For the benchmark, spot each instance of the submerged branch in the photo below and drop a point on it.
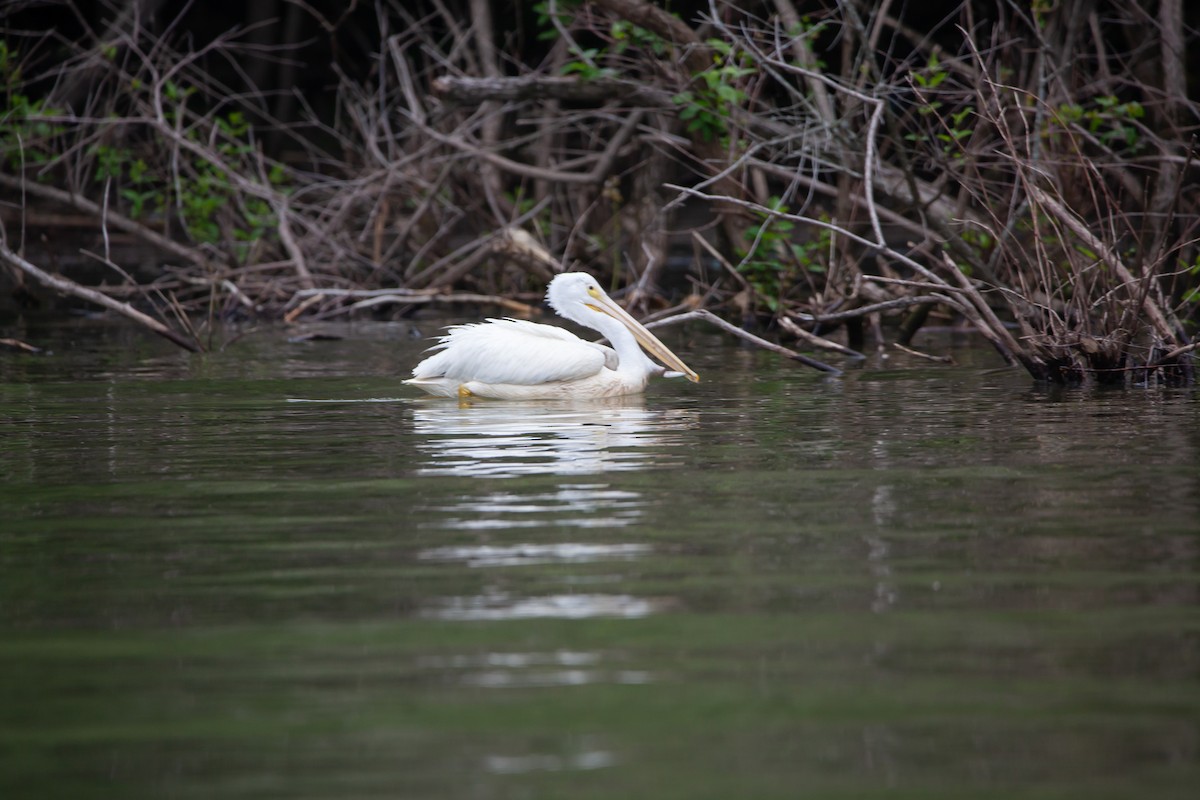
(817, 341)
(70, 287)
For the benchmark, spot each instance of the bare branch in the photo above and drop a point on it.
(713, 319)
(70, 287)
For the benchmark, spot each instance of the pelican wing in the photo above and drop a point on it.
(514, 352)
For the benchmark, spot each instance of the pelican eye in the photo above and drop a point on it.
(594, 291)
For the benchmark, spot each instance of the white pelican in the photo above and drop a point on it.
(511, 359)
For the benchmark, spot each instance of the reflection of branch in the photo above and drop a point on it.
(68, 286)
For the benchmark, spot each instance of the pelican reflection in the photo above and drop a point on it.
(552, 438)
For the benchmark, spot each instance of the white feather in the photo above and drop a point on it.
(514, 351)
(514, 359)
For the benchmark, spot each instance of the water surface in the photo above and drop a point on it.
(273, 571)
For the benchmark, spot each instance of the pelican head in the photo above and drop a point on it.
(578, 297)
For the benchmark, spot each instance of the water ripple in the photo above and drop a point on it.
(576, 505)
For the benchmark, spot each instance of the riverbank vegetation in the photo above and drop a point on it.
(816, 170)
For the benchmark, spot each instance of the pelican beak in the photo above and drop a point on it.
(649, 342)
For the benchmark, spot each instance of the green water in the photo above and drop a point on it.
(275, 572)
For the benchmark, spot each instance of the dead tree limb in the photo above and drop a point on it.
(728, 327)
(817, 341)
(70, 287)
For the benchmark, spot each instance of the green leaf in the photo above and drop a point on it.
(720, 46)
(729, 94)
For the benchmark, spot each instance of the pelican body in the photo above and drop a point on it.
(511, 359)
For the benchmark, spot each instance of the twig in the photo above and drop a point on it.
(289, 244)
(1170, 355)
(817, 341)
(438, 273)
(410, 293)
(713, 319)
(238, 294)
(472, 91)
(104, 220)
(118, 220)
(887, 305)
(68, 286)
(17, 344)
(724, 262)
(687, 305)
(919, 354)
(914, 284)
(375, 297)
(840, 230)
(309, 302)
(985, 311)
(1157, 318)
(515, 306)
(597, 174)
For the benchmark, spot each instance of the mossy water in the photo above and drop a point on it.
(274, 572)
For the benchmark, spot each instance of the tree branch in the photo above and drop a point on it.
(68, 286)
